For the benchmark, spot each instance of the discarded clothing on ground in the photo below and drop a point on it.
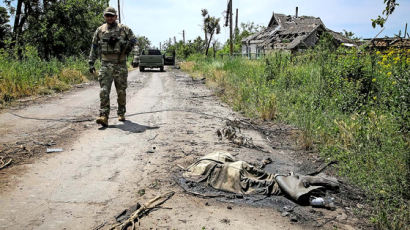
(222, 171)
(232, 132)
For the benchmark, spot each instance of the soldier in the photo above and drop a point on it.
(111, 42)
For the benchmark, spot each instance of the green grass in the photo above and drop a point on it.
(33, 76)
(352, 106)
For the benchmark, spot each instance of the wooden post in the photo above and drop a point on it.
(119, 11)
(230, 27)
(236, 22)
(405, 31)
(214, 48)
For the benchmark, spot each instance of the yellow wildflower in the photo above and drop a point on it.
(394, 82)
(374, 80)
(378, 52)
(389, 74)
(390, 53)
(374, 98)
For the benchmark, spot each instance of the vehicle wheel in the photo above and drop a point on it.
(142, 69)
(161, 69)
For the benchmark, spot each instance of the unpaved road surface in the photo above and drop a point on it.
(171, 121)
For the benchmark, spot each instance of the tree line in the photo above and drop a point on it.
(209, 45)
(61, 28)
(57, 28)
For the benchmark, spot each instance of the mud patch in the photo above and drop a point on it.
(295, 212)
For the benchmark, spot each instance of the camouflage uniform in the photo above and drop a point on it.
(112, 43)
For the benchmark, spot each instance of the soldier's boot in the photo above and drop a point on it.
(121, 117)
(102, 120)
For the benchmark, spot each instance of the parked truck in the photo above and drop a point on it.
(151, 58)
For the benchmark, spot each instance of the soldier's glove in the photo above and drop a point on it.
(92, 69)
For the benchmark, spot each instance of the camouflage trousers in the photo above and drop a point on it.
(118, 73)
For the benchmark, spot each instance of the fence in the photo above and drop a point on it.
(250, 56)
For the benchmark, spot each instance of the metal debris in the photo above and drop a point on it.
(56, 150)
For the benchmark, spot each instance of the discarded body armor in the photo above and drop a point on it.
(221, 171)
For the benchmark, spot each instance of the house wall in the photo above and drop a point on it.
(244, 49)
(247, 49)
(312, 39)
(253, 51)
(253, 48)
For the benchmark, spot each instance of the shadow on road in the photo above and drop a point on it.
(131, 127)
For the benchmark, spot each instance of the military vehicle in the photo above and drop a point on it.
(151, 58)
(169, 58)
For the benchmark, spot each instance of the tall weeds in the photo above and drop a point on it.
(352, 104)
(32, 76)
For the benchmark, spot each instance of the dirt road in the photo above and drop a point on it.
(171, 121)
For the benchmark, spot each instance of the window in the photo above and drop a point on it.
(154, 52)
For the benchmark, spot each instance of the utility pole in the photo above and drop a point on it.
(160, 46)
(183, 36)
(236, 23)
(119, 11)
(230, 27)
(175, 40)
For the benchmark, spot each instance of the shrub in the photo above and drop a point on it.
(352, 103)
(31, 75)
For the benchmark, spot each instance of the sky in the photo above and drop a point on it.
(160, 20)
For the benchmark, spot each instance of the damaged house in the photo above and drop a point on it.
(291, 33)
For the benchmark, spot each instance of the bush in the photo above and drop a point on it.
(352, 103)
(31, 75)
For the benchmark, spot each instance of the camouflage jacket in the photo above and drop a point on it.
(112, 43)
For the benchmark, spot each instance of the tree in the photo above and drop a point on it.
(56, 28)
(390, 7)
(65, 28)
(211, 27)
(246, 29)
(4, 26)
(143, 43)
(204, 13)
(186, 49)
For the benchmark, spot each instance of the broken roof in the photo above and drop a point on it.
(288, 32)
(382, 43)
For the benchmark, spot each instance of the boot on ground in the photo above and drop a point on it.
(102, 120)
